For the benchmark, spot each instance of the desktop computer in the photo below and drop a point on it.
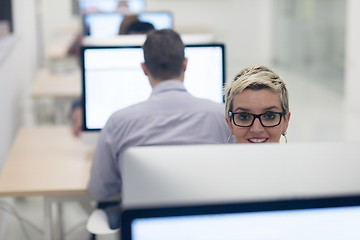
(107, 24)
(112, 79)
(330, 218)
(242, 191)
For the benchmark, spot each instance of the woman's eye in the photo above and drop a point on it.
(269, 116)
(244, 116)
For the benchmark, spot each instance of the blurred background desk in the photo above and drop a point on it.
(58, 90)
(48, 162)
(56, 85)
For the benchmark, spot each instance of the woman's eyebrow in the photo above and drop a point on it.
(271, 108)
(265, 109)
(242, 109)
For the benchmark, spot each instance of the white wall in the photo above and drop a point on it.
(243, 25)
(352, 55)
(57, 17)
(16, 72)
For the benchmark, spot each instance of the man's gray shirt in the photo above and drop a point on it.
(171, 116)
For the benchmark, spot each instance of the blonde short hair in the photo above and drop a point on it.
(256, 78)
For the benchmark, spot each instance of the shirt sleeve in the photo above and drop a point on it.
(105, 180)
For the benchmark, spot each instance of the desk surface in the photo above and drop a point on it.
(46, 161)
(57, 85)
(58, 49)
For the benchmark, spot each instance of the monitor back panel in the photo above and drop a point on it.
(199, 174)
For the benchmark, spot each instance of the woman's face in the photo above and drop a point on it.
(257, 102)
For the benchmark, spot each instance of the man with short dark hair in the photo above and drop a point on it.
(171, 116)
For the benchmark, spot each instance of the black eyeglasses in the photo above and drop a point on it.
(268, 119)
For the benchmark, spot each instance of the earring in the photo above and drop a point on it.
(228, 139)
(284, 134)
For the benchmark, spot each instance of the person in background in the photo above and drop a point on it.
(131, 24)
(126, 22)
(76, 117)
(257, 106)
(171, 116)
(123, 6)
(139, 27)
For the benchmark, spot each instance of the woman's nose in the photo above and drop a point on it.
(257, 126)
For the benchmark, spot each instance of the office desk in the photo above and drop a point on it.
(56, 85)
(62, 40)
(50, 162)
(61, 88)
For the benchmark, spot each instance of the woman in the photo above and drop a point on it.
(257, 106)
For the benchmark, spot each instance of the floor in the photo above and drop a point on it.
(317, 114)
(26, 223)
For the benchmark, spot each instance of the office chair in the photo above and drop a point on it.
(98, 224)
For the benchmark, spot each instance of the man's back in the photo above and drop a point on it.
(170, 117)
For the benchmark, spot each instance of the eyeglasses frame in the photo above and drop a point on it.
(232, 114)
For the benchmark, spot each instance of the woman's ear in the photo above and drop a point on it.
(286, 121)
(228, 122)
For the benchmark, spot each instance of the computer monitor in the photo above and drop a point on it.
(158, 176)
(112, 79)
(102, 25)
(87, 6)
(328, 218)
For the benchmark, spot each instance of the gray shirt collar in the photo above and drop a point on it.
(168, 85)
